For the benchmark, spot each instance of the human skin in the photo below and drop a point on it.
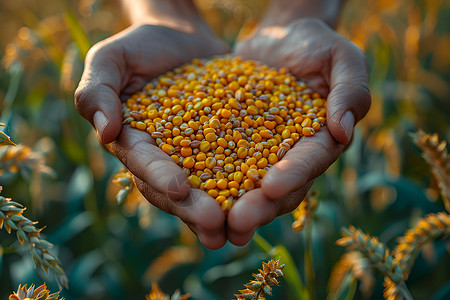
(160, 38)
(165, 34)
(329, 64)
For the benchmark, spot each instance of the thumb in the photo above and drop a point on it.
(97, 95)
(349, 98)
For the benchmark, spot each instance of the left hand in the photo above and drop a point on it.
(330, 65)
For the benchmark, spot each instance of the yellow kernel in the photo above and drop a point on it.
(205, 146)
(234, 192)
(222, 184)
(210, 184)
(210, 162)
(219, 175)
(200, 165)
(306, 122)
(262, 163)
(238, 176)
(244, 168)
(201, 156)
(308, 131)
(186, 151)
(177, 121)
(174, 158)
(194, 181)
(213, 193)
(220, 199)
(225, 113)
(225, 193)
(211, 137)
(141, 125)
(242, 152)
(315, 126)
(222, 142)
(252, 110)
(188, 162)
(256, 138)
(252, 174)
(233, 86)
(168, 149)
(248, 185)
(272, 158)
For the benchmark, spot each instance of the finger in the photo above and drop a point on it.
(138, 152)
(96, 97)
(308, 159)
(198, 210)
(349, 98)
(255, 209)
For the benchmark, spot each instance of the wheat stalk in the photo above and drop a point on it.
(32, 293)
(11, 217)
(304, 213)
(436, 155)
(157, 294)
(264, 280)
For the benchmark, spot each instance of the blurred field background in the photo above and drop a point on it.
(381, 184)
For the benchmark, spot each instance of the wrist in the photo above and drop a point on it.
(176, 14)
(283, 12)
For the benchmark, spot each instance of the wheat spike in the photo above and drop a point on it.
(21, 158)
(304, 213)
(11, 217)
(373, 250)
(359, 267)
(157, 294)
(436, 155)
(32, 293)
(427, 229)
(261, 286)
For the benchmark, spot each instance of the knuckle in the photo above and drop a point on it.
(97, 49)
(82, 94)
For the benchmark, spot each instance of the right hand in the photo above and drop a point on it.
(118, 67)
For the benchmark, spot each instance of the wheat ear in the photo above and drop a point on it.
(264, 280)
(304, 213)
(11, 217)
(436, 155)
(32, 293)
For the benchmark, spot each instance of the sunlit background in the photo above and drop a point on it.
(63, 176)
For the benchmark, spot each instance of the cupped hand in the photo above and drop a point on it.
(334, 67)
(121, 65)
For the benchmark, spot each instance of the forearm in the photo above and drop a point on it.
(282, 12)
(161, 12)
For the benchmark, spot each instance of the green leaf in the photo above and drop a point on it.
(77, 32)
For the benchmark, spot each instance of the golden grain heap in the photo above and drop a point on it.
(226, 121)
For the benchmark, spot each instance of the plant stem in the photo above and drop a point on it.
(309, 264)
(405, 292)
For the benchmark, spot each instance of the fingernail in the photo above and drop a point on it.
(100, 122)
(347, 123)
